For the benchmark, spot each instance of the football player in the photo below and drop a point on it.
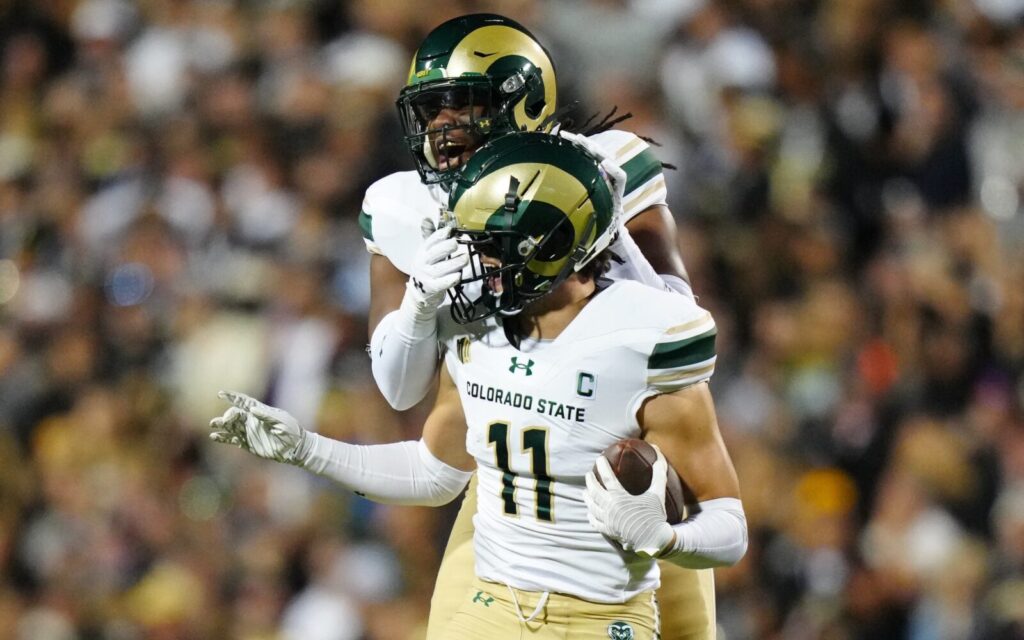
(546, 366)
(472, 78)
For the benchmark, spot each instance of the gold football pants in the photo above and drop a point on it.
(686, 597)
(490, 611)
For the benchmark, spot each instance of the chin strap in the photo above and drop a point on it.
(512, 200)
(511, 329)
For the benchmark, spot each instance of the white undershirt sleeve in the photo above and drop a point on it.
(714, 536)
(398, 473)
(404, 354)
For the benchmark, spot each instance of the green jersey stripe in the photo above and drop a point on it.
(640, 169)
(366, 225)
(682, 353)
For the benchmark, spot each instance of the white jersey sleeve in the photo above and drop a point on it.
(683, 354)
(679, 347)
(645, 180)
(392, 215)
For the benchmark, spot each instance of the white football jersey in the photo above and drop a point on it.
(540, 415)
(395, 206)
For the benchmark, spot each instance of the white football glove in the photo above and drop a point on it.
(638, 523)
(613, 173)
(436, 267)
(263, 430)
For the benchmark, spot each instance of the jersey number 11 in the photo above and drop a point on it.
(535, 440)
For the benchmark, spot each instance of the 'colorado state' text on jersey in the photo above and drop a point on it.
(394, 207)
(539, 416)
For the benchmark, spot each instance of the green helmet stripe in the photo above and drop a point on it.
(573, 164)
(436, 51)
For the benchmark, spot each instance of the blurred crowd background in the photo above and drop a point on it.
(179, 190)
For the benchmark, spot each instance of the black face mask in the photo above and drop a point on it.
(420, 105)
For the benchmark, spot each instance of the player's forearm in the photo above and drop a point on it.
(403, 354)
(399, 473)
(637, 267)
(716, 536)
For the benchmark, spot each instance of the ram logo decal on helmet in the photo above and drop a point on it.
(532, 209)
(485, 67)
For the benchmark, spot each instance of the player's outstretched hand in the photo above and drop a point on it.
(638, 523)
(265, 431)
(437, 265)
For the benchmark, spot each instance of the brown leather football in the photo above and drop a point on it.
(631, 460)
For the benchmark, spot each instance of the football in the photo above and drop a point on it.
(631, 460)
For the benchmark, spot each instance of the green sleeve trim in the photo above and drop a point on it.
(366, 225)
(640, 169)
(683, 353)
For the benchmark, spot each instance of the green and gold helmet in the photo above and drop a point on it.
(473, 77)
(532, 208)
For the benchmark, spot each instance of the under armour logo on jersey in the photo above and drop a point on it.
(516, 365)
(619, 630)
(484, 599)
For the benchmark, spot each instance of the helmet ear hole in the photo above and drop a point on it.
(534, 102)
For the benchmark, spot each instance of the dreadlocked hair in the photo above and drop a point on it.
(590, 127)
(593, 125)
